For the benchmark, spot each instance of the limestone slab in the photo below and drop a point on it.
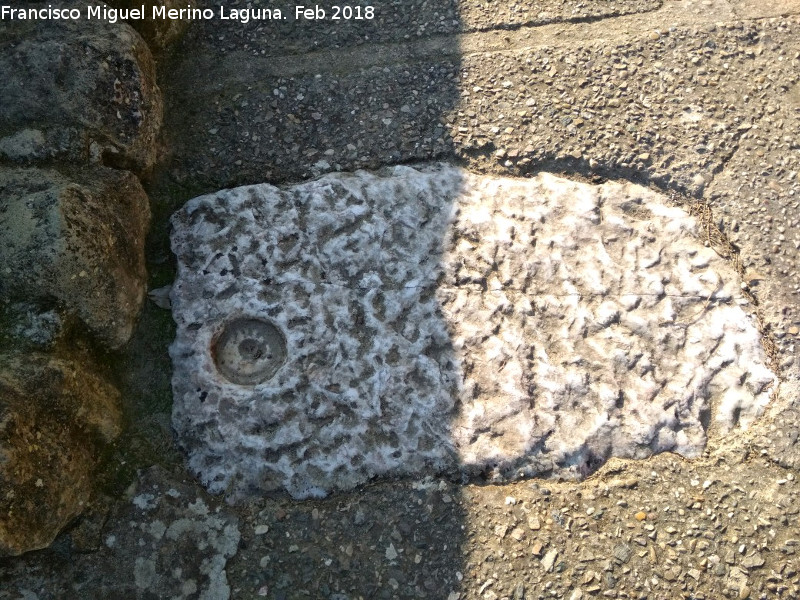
(433, 320)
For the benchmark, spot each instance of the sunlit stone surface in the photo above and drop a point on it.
(424, 321)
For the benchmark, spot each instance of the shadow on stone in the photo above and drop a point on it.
(245, 107)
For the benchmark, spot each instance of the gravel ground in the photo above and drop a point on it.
(697, 99)
(397, 21)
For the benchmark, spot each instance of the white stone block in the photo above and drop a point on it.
(430, 320)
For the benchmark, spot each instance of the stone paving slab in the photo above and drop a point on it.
(531, 327)
(667, 105)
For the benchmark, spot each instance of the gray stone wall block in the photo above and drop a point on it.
(55, 415)
(77, 239)
(81, 91)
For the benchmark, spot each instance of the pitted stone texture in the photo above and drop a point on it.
(78, 240)
(56, 415)
(435, 320)
(82, 91)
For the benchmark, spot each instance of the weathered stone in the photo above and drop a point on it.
(82, 91)
(437, 318)
(30, 326)
(174, 542)
(165, 539)
(55, 415)
(754, 561)
(78, 239)
(158, 33)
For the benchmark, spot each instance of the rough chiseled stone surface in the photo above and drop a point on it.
(436, 320)
(81, 91)
(77, 239)
(55, 417)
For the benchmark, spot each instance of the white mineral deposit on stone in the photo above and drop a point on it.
(439, 321)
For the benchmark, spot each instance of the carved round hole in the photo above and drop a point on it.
(249, 351)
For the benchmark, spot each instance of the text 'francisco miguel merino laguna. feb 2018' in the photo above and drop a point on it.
(243, 15)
